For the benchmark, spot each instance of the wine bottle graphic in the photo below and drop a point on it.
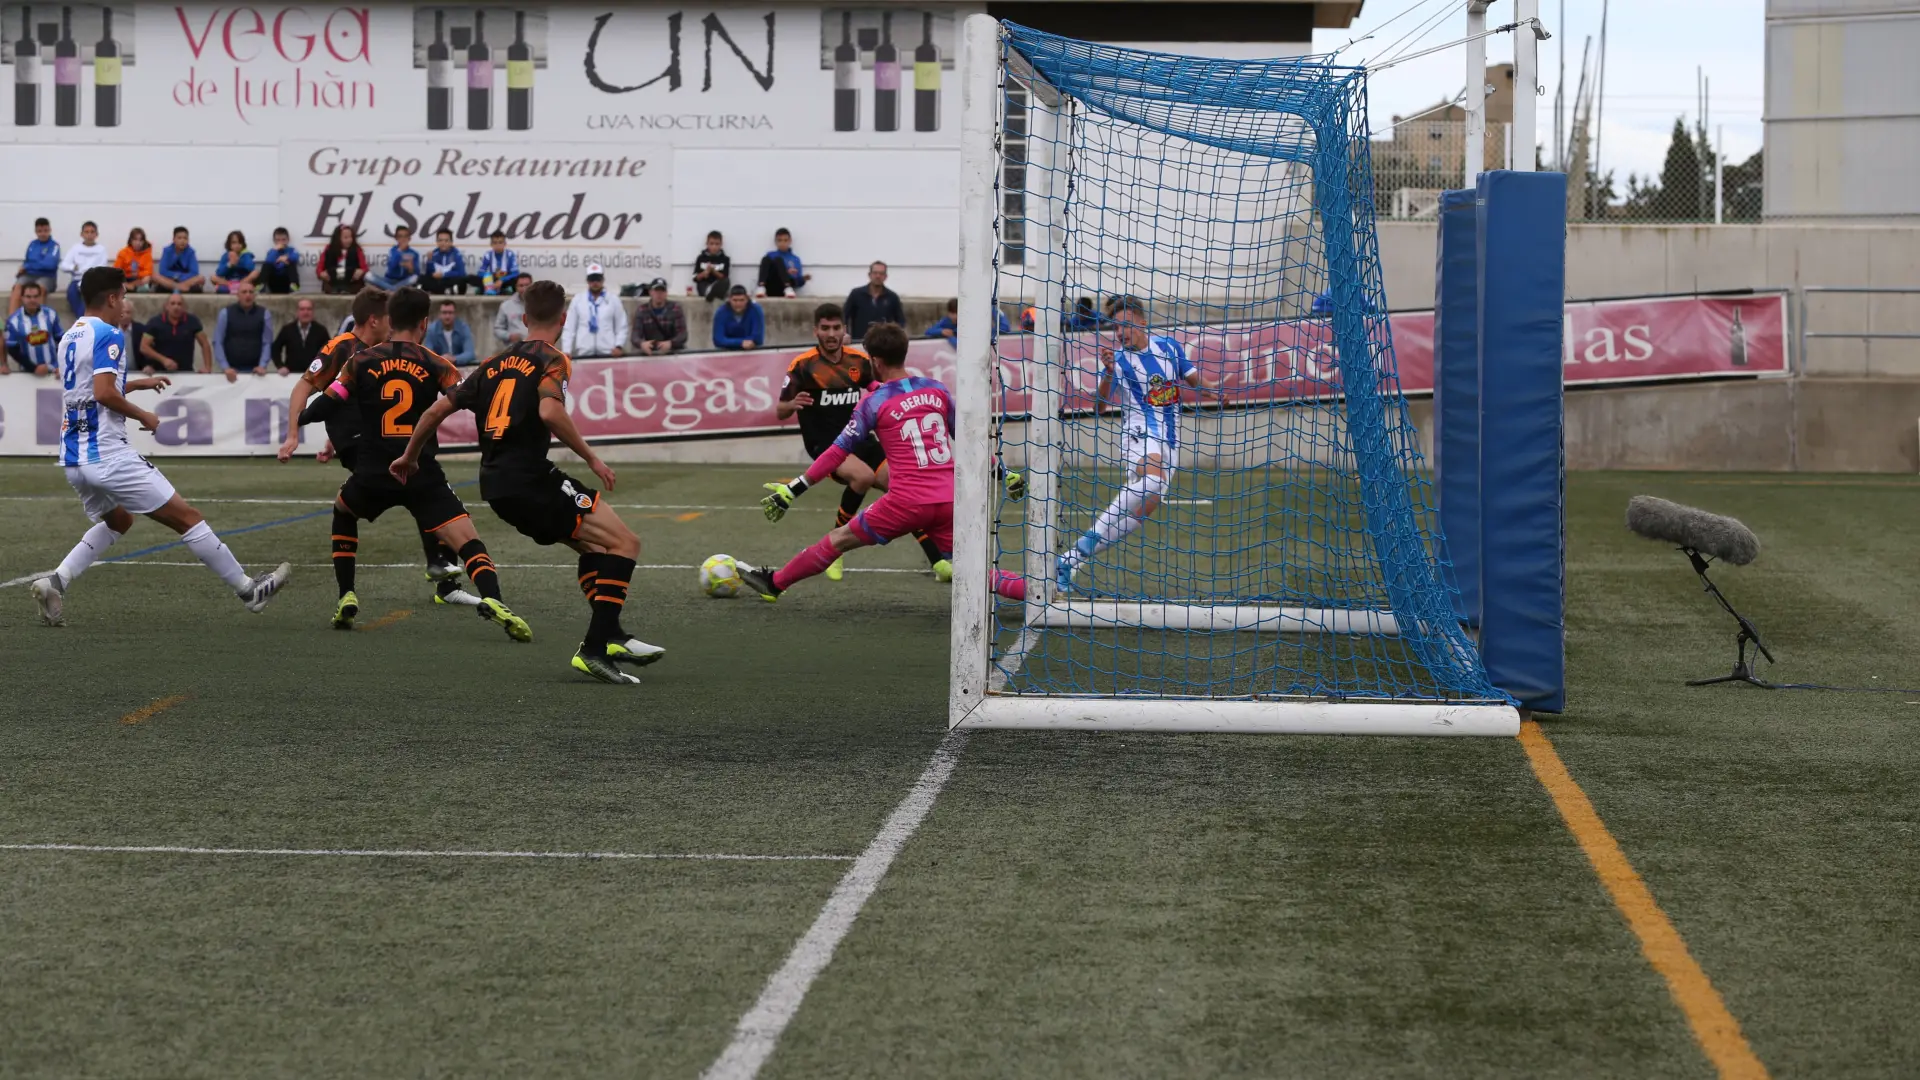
(1739, 340)
(886, 79)
(479, 77)
(439, 76)
(66, 74)
(926, 79)
(26, 73)
(106, 74)
(519, 77)
(846, 68)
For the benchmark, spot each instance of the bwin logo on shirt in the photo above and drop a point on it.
(840, 397)
(1161, 393)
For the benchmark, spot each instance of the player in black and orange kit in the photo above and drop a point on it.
(390, 385)
(822, 388)
(343, 445)
(518, 399)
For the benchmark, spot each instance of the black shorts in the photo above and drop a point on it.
(868, 451)
(427, 496)
(347, 456)
(547, 509)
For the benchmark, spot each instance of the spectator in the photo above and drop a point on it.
(781, 271)
(298, 342)
(136, 261)
(280, 270)
(499, 269)
(874, 304)
(177, 269)
(403, 263)
(712, 269)
(85, 255)
(133, 332)
(510, 318)
(446, 267)
(236, 264)
(740, 324)
(949, 325)
(451, 337)
(171, 336)
(41, 264)
(33, 332)
(659, 325)
(596, 323)
(343, 265)
(1084, 317)
(243, 336)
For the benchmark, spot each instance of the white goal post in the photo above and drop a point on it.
(1205, 652)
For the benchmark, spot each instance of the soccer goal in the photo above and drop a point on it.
(1261, 553)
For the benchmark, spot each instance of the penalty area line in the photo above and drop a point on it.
(371, 853)
(759, 1030)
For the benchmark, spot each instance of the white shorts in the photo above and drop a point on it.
(1138, 446)
(127, 481)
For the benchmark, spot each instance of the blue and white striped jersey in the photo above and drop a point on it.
(89, 433)
(33, 337)
(1148, 384)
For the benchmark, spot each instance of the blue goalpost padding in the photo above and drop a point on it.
(1501, 459)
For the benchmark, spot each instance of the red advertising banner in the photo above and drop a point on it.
(697, 395)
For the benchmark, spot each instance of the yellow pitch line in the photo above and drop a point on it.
(388, 619)
(149, 711)
(1717, 1032)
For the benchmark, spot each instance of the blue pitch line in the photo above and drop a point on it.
(224, 533)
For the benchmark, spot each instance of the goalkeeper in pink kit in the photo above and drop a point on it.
(913, 419)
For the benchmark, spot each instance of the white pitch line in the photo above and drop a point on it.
(406, 854)
(758, 1032)
(322, 501)
(24, 578)
(416, 566)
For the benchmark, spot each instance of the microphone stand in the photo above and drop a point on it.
(1749, 634)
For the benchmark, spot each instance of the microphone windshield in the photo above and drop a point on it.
(1722, 538)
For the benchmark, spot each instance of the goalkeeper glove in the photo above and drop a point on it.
(779, 498)
(1016, 485)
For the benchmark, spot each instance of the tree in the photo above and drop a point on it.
(1678, 197)
(1743, 189)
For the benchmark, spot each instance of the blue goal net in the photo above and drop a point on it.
(1227, 494)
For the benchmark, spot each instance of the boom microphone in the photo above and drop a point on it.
(1718, 537)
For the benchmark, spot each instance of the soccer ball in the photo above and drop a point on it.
(720, 577)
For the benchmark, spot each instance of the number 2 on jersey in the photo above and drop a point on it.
(500, 410)
(928, 434)
(401, 394)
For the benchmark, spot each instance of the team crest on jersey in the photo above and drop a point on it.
(580, 498)
(1161, 393)
(314, 368)
(113, 351)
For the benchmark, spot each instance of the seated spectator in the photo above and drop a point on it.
(132, 330)
(343, 265)
(298, 342)
(177, 268)
(33, 332)
(949, 325)
(874, 303)
(740, 323)
(243, 336)
(171, 337)
(510, 318)
(41, 264)
(451, 337)
(236, 264)
(659, 325)
(1084, 318)
(596, 323)
(136, 261)
(446, 270)
(403, 264)
(781, 271)
(499, 269)
(280, 270)
(712, 269)
(86, 255)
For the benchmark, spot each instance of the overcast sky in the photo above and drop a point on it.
(1655, 46)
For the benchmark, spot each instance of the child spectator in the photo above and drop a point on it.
(659, 325)
(136, 261)
(451, 337)
(280, 270)
(781, 271)
(712, 269)
(740, 323)
(86, 255)
(510, 318)
(343, 265)
(499, 270)
(446, 267)
(177, 269)
(236, 265)
(42, 264)
(33, 332)
(403, 263)
(949, 325)
(1084, 318)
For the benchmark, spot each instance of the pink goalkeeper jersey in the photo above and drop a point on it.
(912, 418)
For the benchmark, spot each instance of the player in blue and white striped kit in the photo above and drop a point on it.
(1145, 372)
(113, 482)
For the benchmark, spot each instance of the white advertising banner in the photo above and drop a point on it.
(199, 414)
(563, 205)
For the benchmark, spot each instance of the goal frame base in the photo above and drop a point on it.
(1246, 717)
